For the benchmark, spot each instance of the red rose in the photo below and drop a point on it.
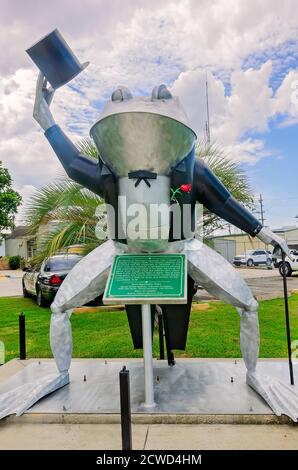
(186, 188)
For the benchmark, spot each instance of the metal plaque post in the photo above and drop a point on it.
(161, 336)
(133, 280)
(288, 330)
(147, 351)
(125, 409)
(22, 335)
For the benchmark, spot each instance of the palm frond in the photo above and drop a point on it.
(86, 147)
(231, 174)
(63, 213)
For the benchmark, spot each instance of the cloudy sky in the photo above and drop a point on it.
(248, 51)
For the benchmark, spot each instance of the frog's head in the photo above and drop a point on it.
(141, 139)
(143, 133)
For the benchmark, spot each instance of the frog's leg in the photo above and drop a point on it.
(218, 277)
(83, 283)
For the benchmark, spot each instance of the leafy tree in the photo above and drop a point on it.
(9, 200)
(69, 211)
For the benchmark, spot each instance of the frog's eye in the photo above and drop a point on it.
(161, 92)
(122, 93)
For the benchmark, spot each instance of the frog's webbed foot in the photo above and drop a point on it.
(83, 283)
(218, 277)
(20, 399)
(282, 398)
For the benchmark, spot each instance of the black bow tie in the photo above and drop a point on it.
(142, 175)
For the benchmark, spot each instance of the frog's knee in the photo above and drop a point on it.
(253, 305)
(59, 309)
(250, 308)
(56, 309)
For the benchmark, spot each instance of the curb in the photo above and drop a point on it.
(139, 418)
(100, 308)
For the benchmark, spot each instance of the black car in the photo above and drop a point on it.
(44, 281)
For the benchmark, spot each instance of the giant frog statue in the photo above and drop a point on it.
(147, 157)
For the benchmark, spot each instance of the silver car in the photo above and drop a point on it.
(254, 258)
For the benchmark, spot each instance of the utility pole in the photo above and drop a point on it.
(261, 209)
(263, 220)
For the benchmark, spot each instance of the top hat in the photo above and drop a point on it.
(55, 59)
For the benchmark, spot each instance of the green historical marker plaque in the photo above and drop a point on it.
(147, 279)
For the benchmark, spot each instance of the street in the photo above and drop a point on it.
(11, 283)
(265, 283)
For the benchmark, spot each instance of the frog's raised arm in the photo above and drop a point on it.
(215, 196)
(79, 168)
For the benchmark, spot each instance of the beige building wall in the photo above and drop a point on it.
(290, 236)
(245, 242)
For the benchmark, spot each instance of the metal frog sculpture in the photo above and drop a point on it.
(147, 156)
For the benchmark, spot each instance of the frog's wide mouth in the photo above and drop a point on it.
(128, 141)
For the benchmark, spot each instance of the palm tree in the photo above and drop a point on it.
(231, 174)
(64, 213)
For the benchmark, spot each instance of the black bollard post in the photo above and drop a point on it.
(161, 339)
(125, 409)
(22, 335)
(287, 318)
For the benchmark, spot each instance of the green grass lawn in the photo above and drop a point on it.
(212, 333)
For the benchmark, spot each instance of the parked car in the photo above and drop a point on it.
(291, 265)
(254, 258)
(44, 281)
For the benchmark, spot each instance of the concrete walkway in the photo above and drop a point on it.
(153, 436)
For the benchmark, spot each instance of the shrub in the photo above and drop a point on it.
(14, 262)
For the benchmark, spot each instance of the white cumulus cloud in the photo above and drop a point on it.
(245, 49)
